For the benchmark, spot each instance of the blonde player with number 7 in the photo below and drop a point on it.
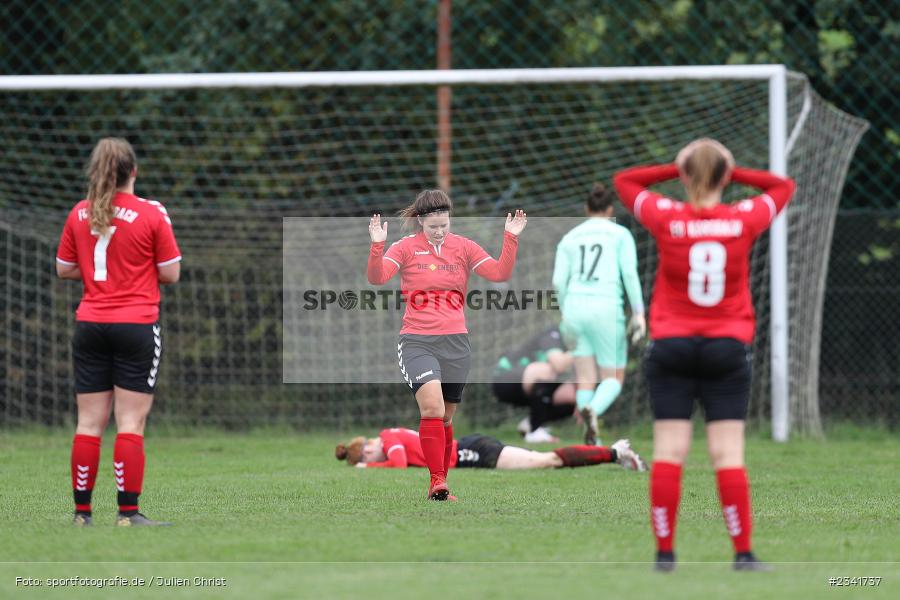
(701, 326)
(121, 247)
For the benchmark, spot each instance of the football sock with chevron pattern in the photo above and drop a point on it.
(431, 436)
(734, 494)
(85, 462)
(665, 494)
(448, 447)
(128, 465)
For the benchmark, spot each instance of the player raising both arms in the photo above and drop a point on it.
(701, 325)
(399, 448)
(594, 262)
(433, 348)
(121, 247)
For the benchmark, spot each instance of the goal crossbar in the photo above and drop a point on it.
(388, 78)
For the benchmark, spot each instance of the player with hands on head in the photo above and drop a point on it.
(596, 265)
(122, 248)
(433, 349)
(701, 326)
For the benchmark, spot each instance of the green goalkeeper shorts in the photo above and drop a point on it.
(595, 326)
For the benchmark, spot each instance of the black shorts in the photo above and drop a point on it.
(124, 355)
(478, 451)
(445, 358)
(714, 370)
(507, 386)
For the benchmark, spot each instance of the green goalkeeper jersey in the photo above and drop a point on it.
(597, 259)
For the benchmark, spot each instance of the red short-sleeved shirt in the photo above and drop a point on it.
(119, 270)
(434, 281)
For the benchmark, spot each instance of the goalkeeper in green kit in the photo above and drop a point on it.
(594, 261)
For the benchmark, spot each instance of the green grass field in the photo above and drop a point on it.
(274, 514)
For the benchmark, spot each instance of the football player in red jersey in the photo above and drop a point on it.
(433, 348)
(701, 326)
(399, 448)
(121, 247)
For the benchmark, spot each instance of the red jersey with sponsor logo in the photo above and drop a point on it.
(434, 278)
(403, 449)
(702, 281)
(119, 269)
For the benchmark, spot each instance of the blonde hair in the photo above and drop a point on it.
(426, 202)
(111, 165)
(351, 451)
(705, 168)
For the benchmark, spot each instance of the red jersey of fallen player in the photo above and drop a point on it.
(403, 449)
(702, 281)
(119, 269)
(434, 279)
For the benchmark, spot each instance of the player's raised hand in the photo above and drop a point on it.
(377, 230)
(515, 224)
(686, 152)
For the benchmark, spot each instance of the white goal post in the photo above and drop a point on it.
(776, 77)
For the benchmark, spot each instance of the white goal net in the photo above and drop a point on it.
(230, 160)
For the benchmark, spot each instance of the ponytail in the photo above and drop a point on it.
(427, 202)
(111, 165)
(351, 451)
(705, 168)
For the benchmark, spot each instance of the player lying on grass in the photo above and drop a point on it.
(399, 448)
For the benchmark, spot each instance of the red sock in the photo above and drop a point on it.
(582, 456)
(734, 494)
(128, 463)
(85, 461)
(665, 494)
(448, 447)
(431, 436)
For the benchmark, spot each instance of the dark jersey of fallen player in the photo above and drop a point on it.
(535, 349)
